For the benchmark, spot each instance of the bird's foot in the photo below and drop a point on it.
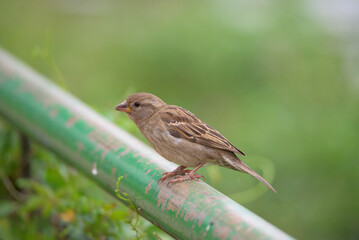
(177, 171)
(189, 176)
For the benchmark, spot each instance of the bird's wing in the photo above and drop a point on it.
(181, 123)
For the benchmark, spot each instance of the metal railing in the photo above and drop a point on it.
(104, 152)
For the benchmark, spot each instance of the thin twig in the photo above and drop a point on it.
(25, 155)
(18, 196)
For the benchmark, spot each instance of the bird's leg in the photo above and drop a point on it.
(190, 175)
(178, 170)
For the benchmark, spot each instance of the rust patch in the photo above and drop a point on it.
(148, 171)
(149, 186)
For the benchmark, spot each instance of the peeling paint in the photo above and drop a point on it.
(176, 196)
(116, 145)
(71, 121)
(149, 186)
(105, 143)
(80, 147)
(123, 153)
(53, 112)
(101, 148)
(191, 212)
(113, 173)
(184, 202)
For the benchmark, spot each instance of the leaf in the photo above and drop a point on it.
(33, 203)
(54, 178)
(24, 183)
(7, 207)
(118, 215)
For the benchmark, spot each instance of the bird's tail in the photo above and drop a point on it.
(241, 166)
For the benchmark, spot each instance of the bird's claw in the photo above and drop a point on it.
(182, 174)
(189, 176)
(176, 172)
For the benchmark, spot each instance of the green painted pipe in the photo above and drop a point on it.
(104, 152)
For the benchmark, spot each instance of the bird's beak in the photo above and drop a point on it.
(123, 107)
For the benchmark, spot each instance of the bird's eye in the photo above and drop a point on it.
(137, 104)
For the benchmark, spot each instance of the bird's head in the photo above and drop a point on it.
(140, 106)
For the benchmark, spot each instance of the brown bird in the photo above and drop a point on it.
(181, 137)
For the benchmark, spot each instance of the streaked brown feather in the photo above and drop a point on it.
(181, 123)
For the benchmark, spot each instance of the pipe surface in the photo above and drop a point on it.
(104, 152)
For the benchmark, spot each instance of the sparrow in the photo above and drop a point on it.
(181, 137)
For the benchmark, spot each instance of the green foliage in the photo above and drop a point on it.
(57, 202)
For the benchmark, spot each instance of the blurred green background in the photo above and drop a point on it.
(270, 75)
